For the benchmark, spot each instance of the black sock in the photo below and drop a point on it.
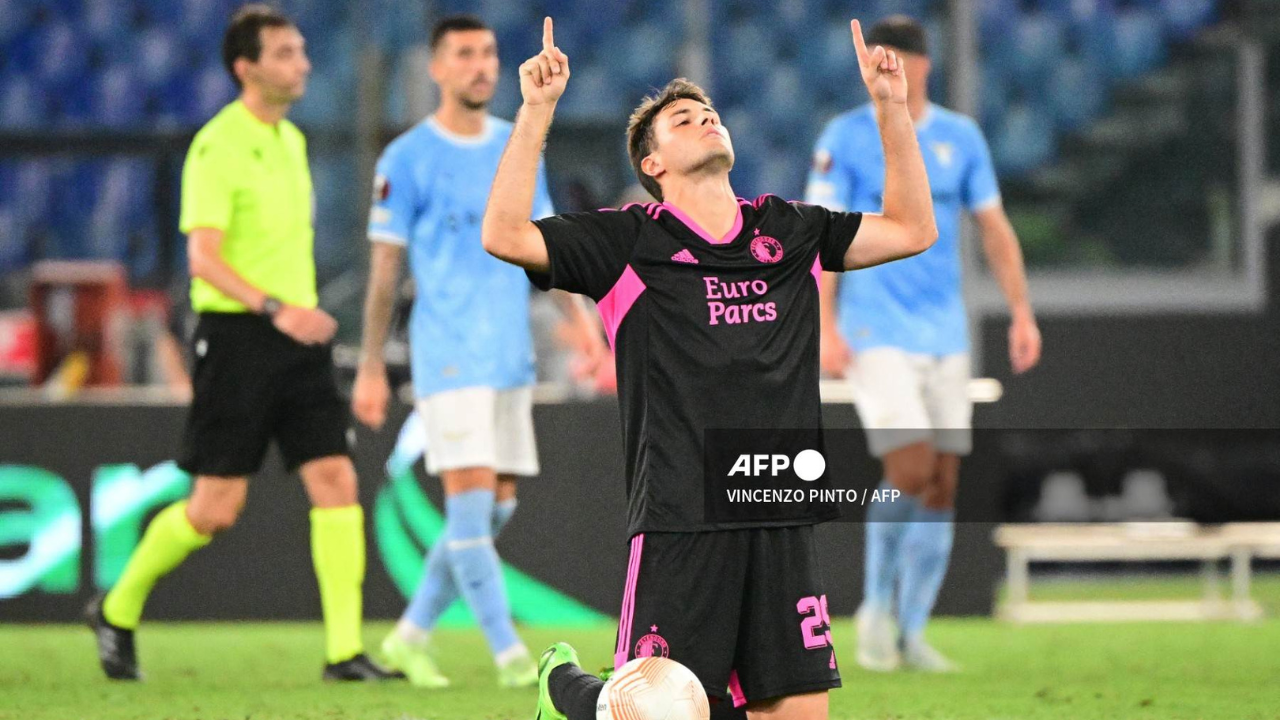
(574, 691)
(724, 710)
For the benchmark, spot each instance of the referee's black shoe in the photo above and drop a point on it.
(116, 652)
(360, 668)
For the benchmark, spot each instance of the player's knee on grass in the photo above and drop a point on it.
(215, 504)
(330, 481)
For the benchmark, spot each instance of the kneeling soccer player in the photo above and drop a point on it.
(711, 304)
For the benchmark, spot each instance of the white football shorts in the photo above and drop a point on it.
(904, 398)
(480, 427)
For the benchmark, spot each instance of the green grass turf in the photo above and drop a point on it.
(208, 671)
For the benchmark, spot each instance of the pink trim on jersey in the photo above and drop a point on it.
(688, 221)
(628, 603)
(817, 272)
(615, 305)
(760, 200)
(735, 690)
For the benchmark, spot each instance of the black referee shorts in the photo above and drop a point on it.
(745, 610)
(253, 384)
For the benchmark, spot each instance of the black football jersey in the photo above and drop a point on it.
(708, 333)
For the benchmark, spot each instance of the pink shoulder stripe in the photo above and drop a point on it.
(618, 301)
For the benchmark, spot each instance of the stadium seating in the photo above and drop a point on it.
(1045, 64)
(780, 70)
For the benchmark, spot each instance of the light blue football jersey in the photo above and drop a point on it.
(470, 320)
(915, 304)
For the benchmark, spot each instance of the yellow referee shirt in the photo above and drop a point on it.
(251, 181)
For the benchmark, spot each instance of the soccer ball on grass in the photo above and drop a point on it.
(653, 688)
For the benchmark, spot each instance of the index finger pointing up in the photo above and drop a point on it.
(548, 41)
(858, 44)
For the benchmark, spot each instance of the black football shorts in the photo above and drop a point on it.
(743, 609)
(253, 384)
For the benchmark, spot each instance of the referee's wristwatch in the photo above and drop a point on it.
(271, 306)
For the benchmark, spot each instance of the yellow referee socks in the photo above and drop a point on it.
(337, 550)
(168, 541)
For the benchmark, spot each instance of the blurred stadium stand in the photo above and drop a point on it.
(1064, 88)
(1102, 114)
(1088, 70)
(133, 67)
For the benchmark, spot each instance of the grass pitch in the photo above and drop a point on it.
(258, 671)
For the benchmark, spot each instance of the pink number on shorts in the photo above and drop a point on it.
(815, 611)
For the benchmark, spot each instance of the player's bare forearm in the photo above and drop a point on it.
(1004, 255)
(205, 262)
(1000, 243)
(908, 199)
(833, 352)
(906, 227)
(507, 232)
(574, 309)
(827, 288)
(379, 302)
(587, 335)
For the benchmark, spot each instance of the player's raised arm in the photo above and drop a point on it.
(907, 226)
(507, 232)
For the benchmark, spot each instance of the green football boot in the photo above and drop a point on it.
(415, 662)
(552, 658)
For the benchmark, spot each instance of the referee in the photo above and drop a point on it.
(263, 367)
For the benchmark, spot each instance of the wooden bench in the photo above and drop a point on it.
(1236, 543)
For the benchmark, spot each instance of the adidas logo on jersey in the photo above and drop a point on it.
(685, 256)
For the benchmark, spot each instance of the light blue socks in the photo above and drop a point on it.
(923, 558)
(477, 572)
(437, 590)
(886, 527)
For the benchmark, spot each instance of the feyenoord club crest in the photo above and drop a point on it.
(766, 249)
(652, 645)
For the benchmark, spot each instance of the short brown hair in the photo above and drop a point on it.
(900, 32)
(454, 23)
(243, 38)
(640, 137)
